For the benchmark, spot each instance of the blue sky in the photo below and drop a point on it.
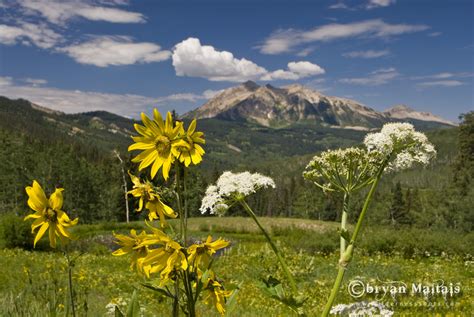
(130, 56)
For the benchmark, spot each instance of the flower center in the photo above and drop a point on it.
(50, 214)
(162, 143)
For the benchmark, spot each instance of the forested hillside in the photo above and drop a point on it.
(79, 153)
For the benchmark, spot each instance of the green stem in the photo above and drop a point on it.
(335, 288)
(180, 206)
(346, 258)
(272, 245)
(345, 209)
(71, 290)
(185, 195)
(176, 300)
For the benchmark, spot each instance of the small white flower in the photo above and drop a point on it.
(230, 186)
(402, 144)
(373, 308)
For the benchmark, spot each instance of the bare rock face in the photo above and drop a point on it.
(404, 112)
(271, 106)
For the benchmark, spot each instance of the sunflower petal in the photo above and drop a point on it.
(40, 233)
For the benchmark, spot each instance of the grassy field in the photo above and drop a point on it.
(34, 283)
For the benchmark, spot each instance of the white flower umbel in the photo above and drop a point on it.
(401, 145)
(362, 309)
(344, 170)
(231, 186)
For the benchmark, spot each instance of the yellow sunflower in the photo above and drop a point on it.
(48, 214)
(217, 295)
(156, 141)
(166, 259)
(132, 244)
(187, 148)
(152, 201)
(202, 252)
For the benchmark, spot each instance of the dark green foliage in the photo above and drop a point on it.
(75, 152)
(15, 233)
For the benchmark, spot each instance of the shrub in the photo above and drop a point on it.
(15, 232)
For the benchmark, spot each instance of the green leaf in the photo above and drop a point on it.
(345, 234)
(133, 307)
(160, 290)
(118, 312)
(232, 301)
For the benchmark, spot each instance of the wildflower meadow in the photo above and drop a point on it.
(171, 264)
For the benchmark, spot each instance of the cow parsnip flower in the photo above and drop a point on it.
(132, 245)
(231, 187)
(156, 140)
(149, 198)
(187, 148)
(344, 170)
(373, 308)
(216, 295)
(48, 214)
(202, 253)
(401, 145)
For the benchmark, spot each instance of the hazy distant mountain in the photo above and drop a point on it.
(405, 112)
(275, 107)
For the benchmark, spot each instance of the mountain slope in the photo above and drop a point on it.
(276, 107)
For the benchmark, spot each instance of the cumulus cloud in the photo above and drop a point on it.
(284, 41)
(378, 77)
(366, 54)
(59, 12)
(192, 59)
(29, 34)
(74, 101)
(115, 50)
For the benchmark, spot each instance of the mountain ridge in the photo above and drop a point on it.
(275, 107)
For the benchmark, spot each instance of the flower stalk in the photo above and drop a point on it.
(272, 245)
(346, 255)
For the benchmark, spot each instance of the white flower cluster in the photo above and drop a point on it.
(402, 144)
(342, 169)
(229, 186)
(373, 308)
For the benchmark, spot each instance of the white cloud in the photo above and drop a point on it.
(192, 59)
(366, 54)
(280, 74)
(444, 75)
(441, 83)
(339, 5)
(73, 101)
(35, 82)
(378, 77)
(305, 52)
(435, 34)
(59, 12)
(29, 33)
(5, 81)
(379, 3)
(115, 50)
(305, 69)
(283, 41)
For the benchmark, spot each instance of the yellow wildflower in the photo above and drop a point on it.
(156, 140)
(217, 295)
(202, 252)
(187, 149)
(132, 244)
(48, 214)
(151, 199)
(166, 259)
